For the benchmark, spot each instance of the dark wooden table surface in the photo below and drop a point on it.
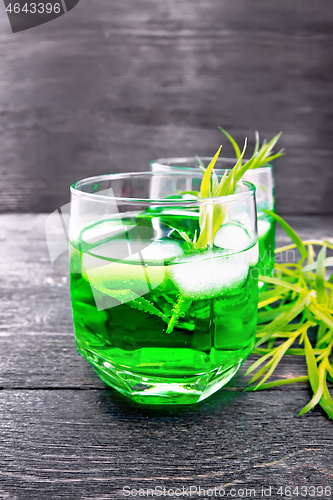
(63, 434)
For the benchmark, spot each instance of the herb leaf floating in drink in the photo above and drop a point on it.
(295, 305)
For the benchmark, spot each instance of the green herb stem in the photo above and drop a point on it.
(296, 303)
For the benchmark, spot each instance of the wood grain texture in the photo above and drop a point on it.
(110, 86)
(90, 444)
(64, 434)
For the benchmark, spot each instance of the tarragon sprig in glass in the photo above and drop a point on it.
(211, 218)
(211, 215)
(261, 155)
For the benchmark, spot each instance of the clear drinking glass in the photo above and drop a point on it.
(162, 319)
(263, 180)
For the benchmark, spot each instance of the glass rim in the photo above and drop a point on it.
(165, 162)
(74, 189)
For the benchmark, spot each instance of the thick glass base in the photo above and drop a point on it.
(147, 389)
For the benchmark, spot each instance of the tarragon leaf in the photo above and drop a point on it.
(256, 147)
(273, 157)
(233, 142)
(201, 165)
(205, 183)
(179, 309)
(284, 318)
(317, 393)
(320, 277)
(144, 305)
(276, 383)
(290, 232)
(328, 262)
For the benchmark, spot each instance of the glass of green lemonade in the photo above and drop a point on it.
(263, 180)
(160, 320)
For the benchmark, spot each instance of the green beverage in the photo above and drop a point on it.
(165, 324)
(266, 239)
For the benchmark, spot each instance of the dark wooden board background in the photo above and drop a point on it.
(114, 84)
(65, 435)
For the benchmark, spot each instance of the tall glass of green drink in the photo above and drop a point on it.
(263, 180)
(162, 318)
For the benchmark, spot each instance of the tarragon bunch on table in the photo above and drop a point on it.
(297, 305)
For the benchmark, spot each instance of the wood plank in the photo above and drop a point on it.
(91, 444)
(107, 88)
